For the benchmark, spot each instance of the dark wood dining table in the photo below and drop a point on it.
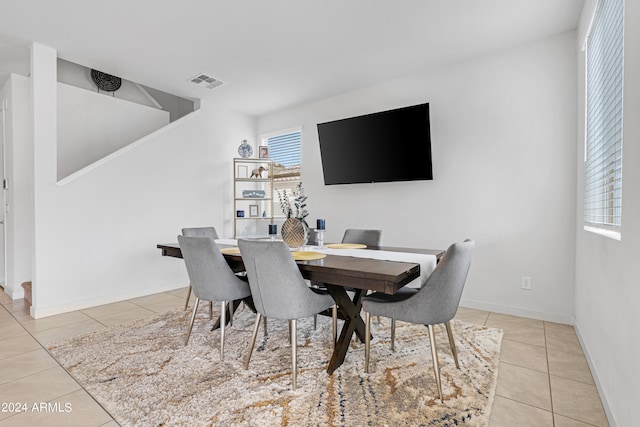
(338, 273)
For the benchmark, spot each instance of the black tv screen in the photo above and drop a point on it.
(392, 145)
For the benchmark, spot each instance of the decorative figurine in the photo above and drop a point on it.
(257, 172)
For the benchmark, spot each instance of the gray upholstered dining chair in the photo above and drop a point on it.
(280, 292)
(211, 278)
(209, 232)
(434, 303)
(366, 237)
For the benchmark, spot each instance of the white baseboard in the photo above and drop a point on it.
(596, 379)
(14, 294)
(518, 311)
(40, 312)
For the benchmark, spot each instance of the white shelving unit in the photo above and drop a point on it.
(253, 197)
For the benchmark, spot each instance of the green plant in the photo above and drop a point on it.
(285, 205)
(299, 201)
(299, 208)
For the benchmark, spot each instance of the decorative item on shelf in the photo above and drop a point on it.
(295, 230)
(273, 231)
(320, 227)
(258, 172)
(253, 210)
(243, 171)
(240, 214)
(245, 149)
(263, 152)
(264, 214)
(106, 82)
(253, 194)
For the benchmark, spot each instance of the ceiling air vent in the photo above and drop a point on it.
(205, 81)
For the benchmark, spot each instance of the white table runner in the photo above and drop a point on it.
(427, 262)
(232, 242)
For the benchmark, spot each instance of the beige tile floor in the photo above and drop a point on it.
(543, 379)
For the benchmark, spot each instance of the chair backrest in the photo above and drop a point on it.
(209, 232)
(437, 301)
(366, 237)
(277, 286)
(210, 276)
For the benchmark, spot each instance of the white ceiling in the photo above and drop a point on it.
(272, 54)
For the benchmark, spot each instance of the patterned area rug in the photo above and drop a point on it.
(142, 373)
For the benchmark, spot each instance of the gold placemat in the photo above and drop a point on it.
(307, 255)
(231, 251)
(346, 246)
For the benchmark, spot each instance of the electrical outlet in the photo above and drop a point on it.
(525, 283)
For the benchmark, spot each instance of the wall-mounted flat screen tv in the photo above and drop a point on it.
(393, 145)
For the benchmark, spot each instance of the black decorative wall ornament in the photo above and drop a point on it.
(105, 81)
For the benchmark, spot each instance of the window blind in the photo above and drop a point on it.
(603, 151)
(285, 149)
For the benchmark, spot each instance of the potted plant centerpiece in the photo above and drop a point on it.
(295, 229)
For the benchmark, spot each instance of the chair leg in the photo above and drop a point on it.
(210, 310)
(334, 316)
(223, 320)
(294, 353)
(367, 340)
(289, 332)
(265, 325)
(452, 343)
(230, 312)
(434, 356)
(186, 303)
(315, 322)
(193, 318)
(393, 334)
(256, 326)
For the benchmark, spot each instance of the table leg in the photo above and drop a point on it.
(231, 310)
(350, 310)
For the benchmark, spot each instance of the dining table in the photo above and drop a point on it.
(338, 273)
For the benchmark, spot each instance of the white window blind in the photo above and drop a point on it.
(285, 149)
(603, 154)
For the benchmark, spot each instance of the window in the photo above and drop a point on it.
(603, 149)
(284, 151)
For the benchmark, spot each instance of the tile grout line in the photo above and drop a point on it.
(59, 364)
(528, 369)
(527, 404)
(559, 376)
(546, 353)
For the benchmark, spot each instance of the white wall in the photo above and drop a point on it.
(607, 302)
(175, 105)
(19, 155)
(92, 126)
(503, 131)
(5, 136)
(96, 235)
